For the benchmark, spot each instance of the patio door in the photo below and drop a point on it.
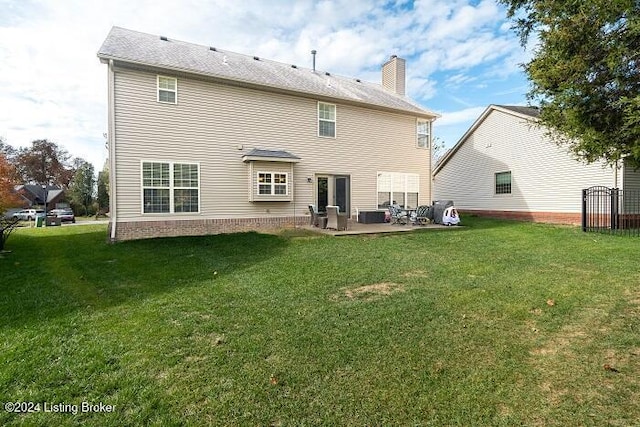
(322, 193)
(333, 190)
(342, 193)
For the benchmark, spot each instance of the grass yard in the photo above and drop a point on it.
(496, 323)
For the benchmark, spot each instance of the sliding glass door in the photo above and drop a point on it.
(333, 190)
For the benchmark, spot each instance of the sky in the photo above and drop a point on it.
(462, 55)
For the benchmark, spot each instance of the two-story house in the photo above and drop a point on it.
(205, 141)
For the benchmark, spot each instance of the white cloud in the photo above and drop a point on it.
(461, 116)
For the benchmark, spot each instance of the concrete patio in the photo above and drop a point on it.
(355, 228)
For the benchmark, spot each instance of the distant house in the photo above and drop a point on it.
(505, 166)
(35, 195)
(204, 141)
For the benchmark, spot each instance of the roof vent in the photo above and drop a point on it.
(327, 74)
(358, 80)
(294, 66)
(256, 58)
(213, 49)
(313, 53)
(164, 39)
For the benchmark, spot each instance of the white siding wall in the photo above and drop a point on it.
(631, 179)
(212, 121)
(544, 177)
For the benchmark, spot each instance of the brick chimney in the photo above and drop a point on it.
(393, 75)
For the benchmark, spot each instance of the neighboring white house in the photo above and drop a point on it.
(203, 140)
(504, 166)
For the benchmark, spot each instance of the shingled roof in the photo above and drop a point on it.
(125, 46)
(527, 111)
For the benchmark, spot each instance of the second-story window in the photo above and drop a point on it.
(423, 129)
(167, 89)
(326, 119)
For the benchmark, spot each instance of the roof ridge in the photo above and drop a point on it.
(261, 58)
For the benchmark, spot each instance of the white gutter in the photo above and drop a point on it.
(111, 140)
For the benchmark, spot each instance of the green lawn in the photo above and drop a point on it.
(494, 323)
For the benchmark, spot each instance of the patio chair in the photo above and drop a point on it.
(335, 219)
(423, 215)
(316, 219)
(398, 216)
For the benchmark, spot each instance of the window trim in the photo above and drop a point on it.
(495, 184)
(174, 91)
(334, 121)
(272, 184)
(171, 187)
(428, 134)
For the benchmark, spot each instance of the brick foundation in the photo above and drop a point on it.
(200, 227)
(548, 217)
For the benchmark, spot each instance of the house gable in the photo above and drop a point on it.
(507, 142)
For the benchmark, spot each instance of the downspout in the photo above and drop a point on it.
(430, 175)
(293, 196)
(615, 175)
(112, 150)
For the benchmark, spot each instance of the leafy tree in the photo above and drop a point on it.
(103, 190)
(45, 163)
(585, 73)
(8, 180)
(7, 150)
(8, 198)
(81, 189)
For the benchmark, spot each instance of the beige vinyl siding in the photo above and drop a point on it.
(215, 125)
(631, 178)
(544, 177)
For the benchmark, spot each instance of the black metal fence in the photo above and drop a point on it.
(611, 210)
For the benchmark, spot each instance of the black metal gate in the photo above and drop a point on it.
(611, 210)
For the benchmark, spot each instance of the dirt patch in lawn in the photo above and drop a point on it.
(368, 292)
(587, 348)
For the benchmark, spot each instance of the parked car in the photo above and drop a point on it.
(65, 215)
(28, 214)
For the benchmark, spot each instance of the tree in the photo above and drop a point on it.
(45, 163)
(6, 227)
(102, 197)
(585, 73)
(8, 180)
(81, 188)
(438, 149)
(8, 198)
(7, 150)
